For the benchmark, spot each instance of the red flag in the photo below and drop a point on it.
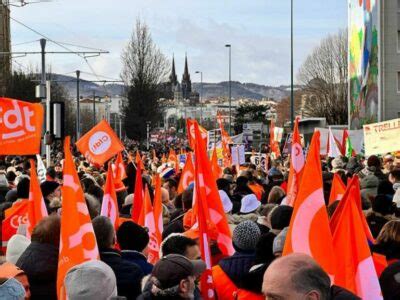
(211, 196)
(137, 207)
(338, 189)
(296, 165)
(174, 158)
(77, 241)
(109, 206)
(100, 144)
(15, 216)
(355, 267)
(119, 173)
(309, 231)
(187, 175)
(215, 168)
(191, 134)
(36, 207)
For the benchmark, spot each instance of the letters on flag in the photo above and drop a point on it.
(109, 206)
(77, 241)
(100, 144)
(20, 127)
(15, 216)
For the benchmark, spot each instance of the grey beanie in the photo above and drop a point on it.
(91, 280)
(246, 235)
(279, 241)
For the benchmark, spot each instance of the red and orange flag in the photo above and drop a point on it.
(296, 165)
(174, 158)
(119, 173)
(309, 231)
(338, 189)
(215, 168)
(355, 270)
(187, 175)
(137, 207)
(36, 207)
(77, 241)
(109, 206)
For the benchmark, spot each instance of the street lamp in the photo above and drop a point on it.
(201, 95)
(230, 90)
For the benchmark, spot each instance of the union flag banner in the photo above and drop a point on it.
(100, 144)
(20, 127)
(15, 216)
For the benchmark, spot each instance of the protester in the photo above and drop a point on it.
(15, 247)
(129, 275)
(390, 283)
(9, 270)
(40, 259)
(133, 241)
(173, 277)
(388, 241)
(180, 244)
(51, 192)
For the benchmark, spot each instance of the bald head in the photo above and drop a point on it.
(164, 195)
(296, 276)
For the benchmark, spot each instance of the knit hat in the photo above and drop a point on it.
(15, 247)
(249, 204)
(246, 235)
(337, 163)
(280, 217)
(373, 161)
(279, 241)
(226, 202)
(11, 195)
(23, 188)
(132, 236)
(91, 280)
(48, 187)
(12, 289)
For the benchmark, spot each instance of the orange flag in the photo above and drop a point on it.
(152, 224)
(100, 144)
(210, 195)
(163, 159)
(119, 173)
(16, 215)
(225, 141)
(187, 175)
(274, 145)
(191, 135)
(109, 206)
(36, 208)
(355, 270)
(356, 196)
(215, 168)
(309, 231)
(20, 127)
(77, 241)
(296, 165)
(137, 207)
(338, 189)
(174, 158)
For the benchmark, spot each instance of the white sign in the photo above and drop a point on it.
(238, 157)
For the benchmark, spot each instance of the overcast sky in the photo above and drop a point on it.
(259, 31)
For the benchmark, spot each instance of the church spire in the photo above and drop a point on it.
(186, 82)
(173, 79)
(186, 75)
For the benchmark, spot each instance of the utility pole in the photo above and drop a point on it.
(291, 67)
(201, 95)
(94, 108)
(48, 125)
(230, 90)
(148, 134)
(78, 110)
(5, 46)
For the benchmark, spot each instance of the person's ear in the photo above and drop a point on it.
(184, 286)
(313, 295)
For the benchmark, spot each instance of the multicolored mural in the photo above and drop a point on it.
(363, 62)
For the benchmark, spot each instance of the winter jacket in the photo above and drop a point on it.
(396, 197)
(40, 261)
(237, 266)
(376, 221)
(339, 293)
(139, 259)
(129, 275)
(389, 249)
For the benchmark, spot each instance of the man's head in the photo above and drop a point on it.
(179, 244)
(171, 185)
(47, 231)
(296, 276)
(23, 188)
(9, 270)
(131, 236)
(104, 231)
(165, 196)
(174, 276)
(394, 175)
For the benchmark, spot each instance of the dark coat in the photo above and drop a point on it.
(237, 266)
(139, 259)
(339, 293)
(40, 261)
(129, 275)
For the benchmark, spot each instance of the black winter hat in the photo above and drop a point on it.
(132, 236)
(23, 188)
(48, 187)
(280, 217)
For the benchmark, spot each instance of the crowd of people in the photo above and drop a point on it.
(255, 206)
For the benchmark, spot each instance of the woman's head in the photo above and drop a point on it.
(390, 232)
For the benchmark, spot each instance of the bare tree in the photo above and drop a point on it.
(145, 68)
(324, 77)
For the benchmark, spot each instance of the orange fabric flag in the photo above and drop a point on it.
(187, 175)
(100, 144)
(119, 173)
(174, 158)
(209, 189)
(15, 216)
(296, 165)
(355, 270)
(191, 134)
(152, 225)
(77, 241)
(356, 196)
(21, 127)
(274, 145)
(36, 207)
(215, 168)
(109, 206)
(137, 207)
(163, 159)
(309, 231)
(225, 141)
(338, 189)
